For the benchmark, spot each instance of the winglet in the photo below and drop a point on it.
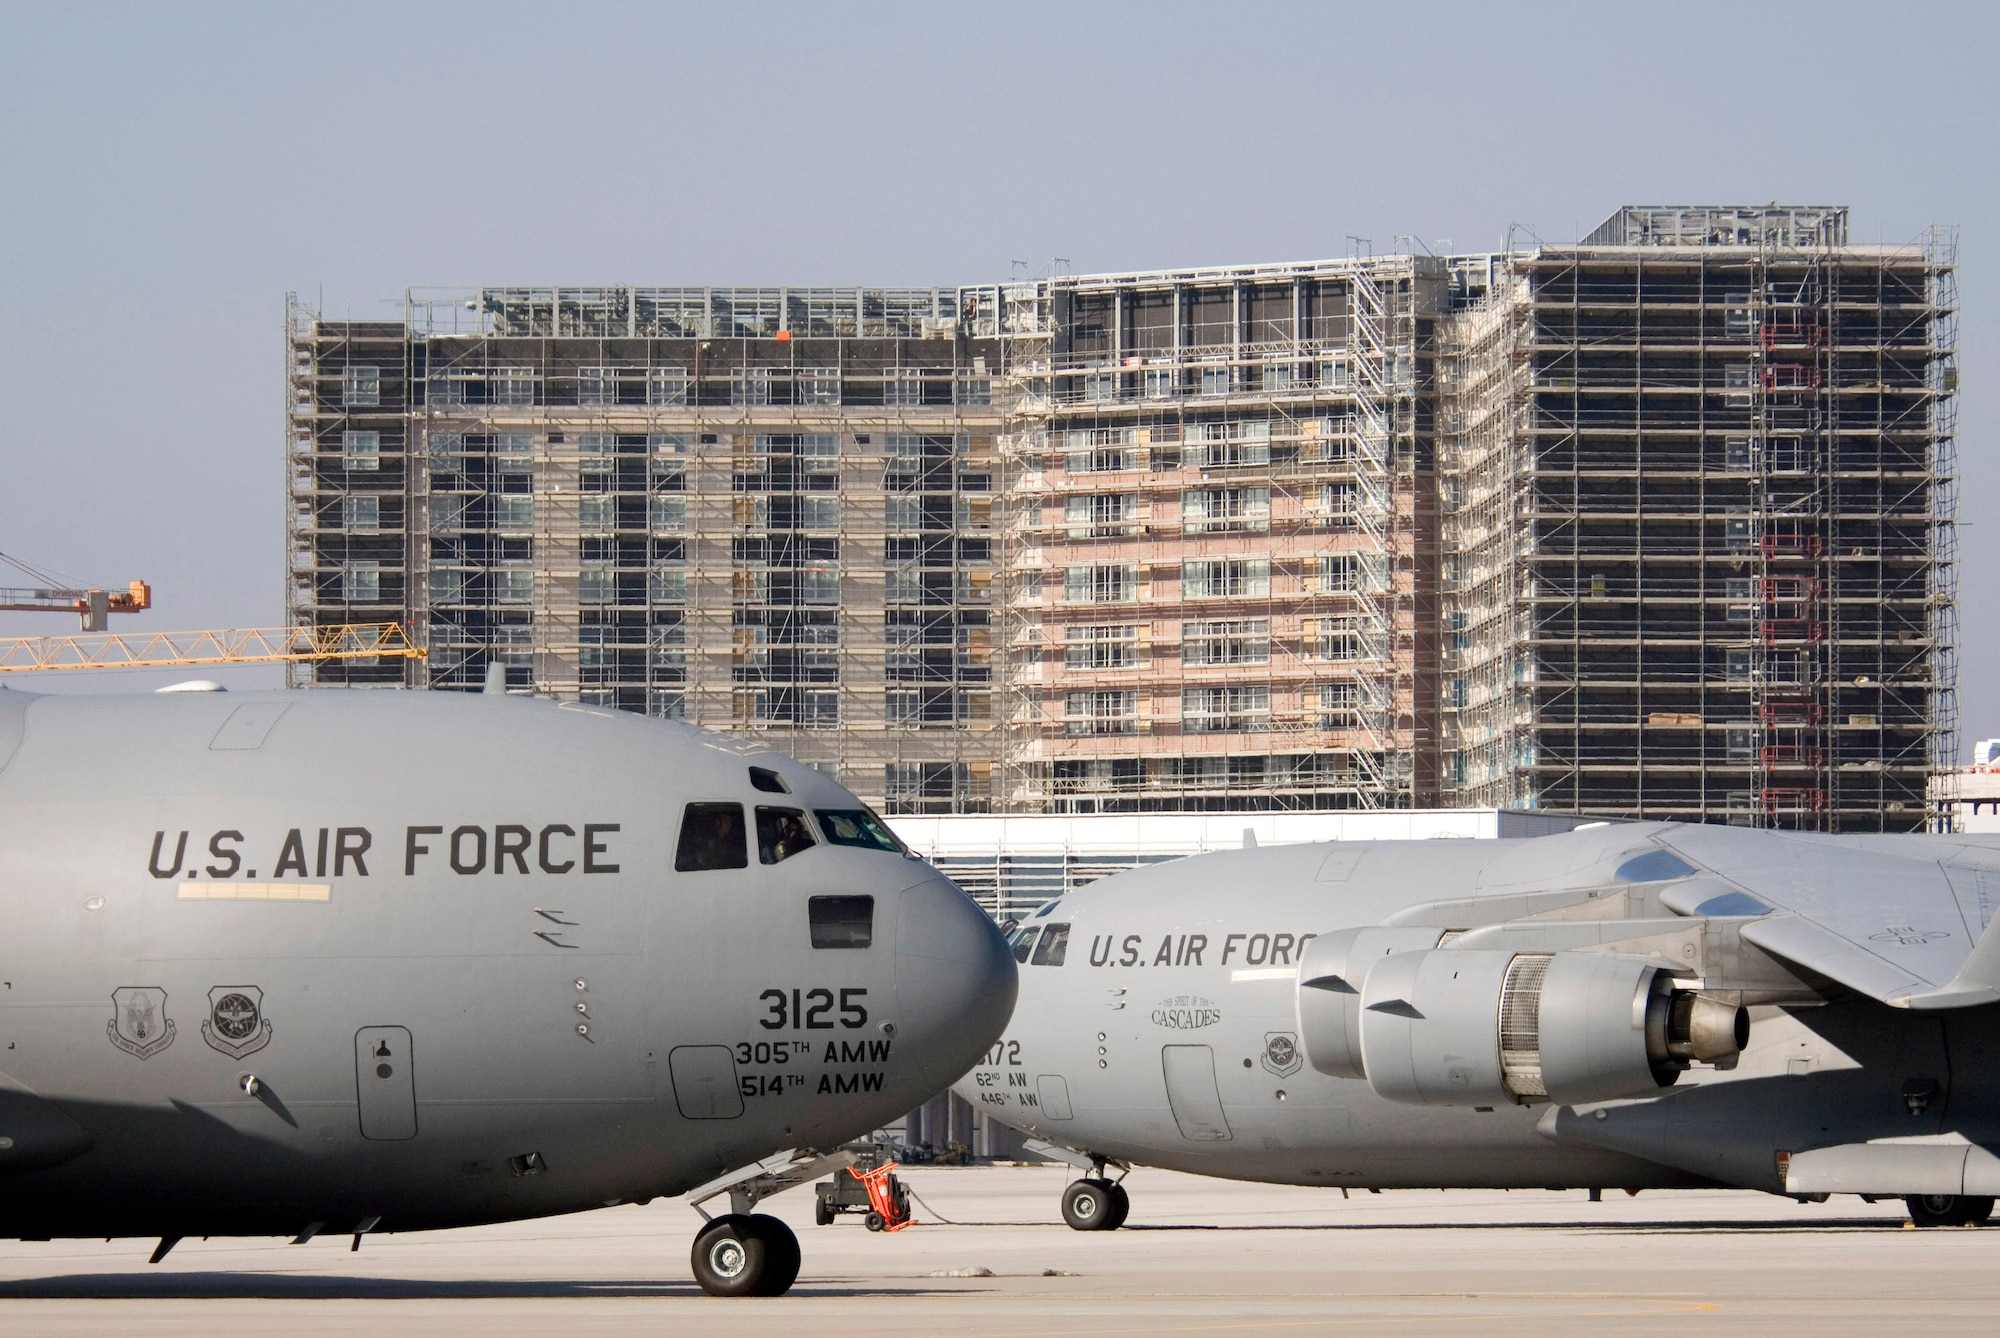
(1977, 982)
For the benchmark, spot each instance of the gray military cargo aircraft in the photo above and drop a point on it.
(1622, 1006)
(338, 962)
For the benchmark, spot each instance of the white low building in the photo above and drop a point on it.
(1968, 799)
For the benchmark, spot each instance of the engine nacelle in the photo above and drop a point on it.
(1331, 970)
(1477, 1028)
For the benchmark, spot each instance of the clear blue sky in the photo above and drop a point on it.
(167, 173)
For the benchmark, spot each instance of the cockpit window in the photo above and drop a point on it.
(1054, 944)
(781, 834)
(841, 922)
(857, 827)
(712, 838)
(1024, 941)
(769, 781)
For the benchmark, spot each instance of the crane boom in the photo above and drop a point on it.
(155, 650)
(91, 605)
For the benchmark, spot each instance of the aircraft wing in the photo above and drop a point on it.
(1906, 929)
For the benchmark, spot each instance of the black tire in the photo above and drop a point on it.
(1948, 1210)
(1087, 1205)
(823, 1213)
(873, 1221)
(730, 1256)
(781, 1255)
(1121, 1207)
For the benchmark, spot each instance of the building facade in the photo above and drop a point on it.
(1658, 524)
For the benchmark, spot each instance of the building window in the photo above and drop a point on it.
(1218, 710)
(1221, 445)
(666, 583)
(1736, 452)
(361, 451)
(819, 585)
(1736, 590)
(513, 585)
(597, 511)
(797, 706)
(667, 386)
(1101, 712)
(361, 582)
(596, 451)
(1338, 501)
(1339, 705)
(1333, 373)
(445, 587)
(750, 386)
(977, 390)
(1739, 745)
(1162, 384)
(666, 704)
(361, 387)
(514, 450)
(1736, 385)
(1736, 666)
(513, 512)
(929, 787)
(513, 386)
(667, 511)
(447, 511)
(1246, 510)
(818, 385)
(1101, 647)
(596, 387)
(1104, 583)
(902, 387)
(1098, 450)
(1100, 387)
(1215, 380)
(1100, 515)
(1342, 639)
(1736, 316)
(819, 512)
(1278, 376)
(1226, 578)
(1345, 573)
(361, 515)
(1244, 642)
(596, 585)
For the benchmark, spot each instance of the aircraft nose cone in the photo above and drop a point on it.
(955, 980)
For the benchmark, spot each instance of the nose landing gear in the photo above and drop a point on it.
(746, 1254)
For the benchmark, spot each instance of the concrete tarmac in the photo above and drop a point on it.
(1197, 1257)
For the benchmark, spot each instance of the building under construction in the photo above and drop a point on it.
(1346, 534)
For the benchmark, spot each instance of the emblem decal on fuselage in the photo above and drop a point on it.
(1186, 1012)
(236, 1024)
(1281, 1053)
(139, 1023)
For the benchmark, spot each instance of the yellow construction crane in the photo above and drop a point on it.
(158, 650)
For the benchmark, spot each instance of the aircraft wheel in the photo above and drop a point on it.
(1942, 1210)
(781, 1255)
(1121, 1207)
(1087, 1205)
(745, 1255)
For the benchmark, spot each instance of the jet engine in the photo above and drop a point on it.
(1440, 1027)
